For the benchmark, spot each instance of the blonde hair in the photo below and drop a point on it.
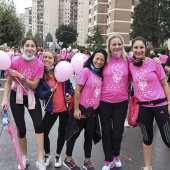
(108, 46)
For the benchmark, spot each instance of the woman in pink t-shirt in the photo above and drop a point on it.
(23, 78)
(114, 101)
(84, 113)
(152, 91)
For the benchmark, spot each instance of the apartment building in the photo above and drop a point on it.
(28, 19)
(75, 13)
(38, 17)
(112, 16)
(51, 18)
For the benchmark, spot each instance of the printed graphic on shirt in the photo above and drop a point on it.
(142, 83)
(117, 73)
(28, 73)
(95, 91)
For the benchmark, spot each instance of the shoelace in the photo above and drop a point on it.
(41, 166)
(108, 163)
(117, 159)
(89, 164)
(57, 159)
(46, 157)
(72, 163)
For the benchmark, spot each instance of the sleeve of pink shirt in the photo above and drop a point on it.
(82, 76)
(40, 69)
(159, 71)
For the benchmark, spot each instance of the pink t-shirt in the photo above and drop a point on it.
(90, 94)
(163, 58)
(62, 56)
(115, 84)
(146, 79)
(29, 70)
(69, 55)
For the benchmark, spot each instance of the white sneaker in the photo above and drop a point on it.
(40, 166)
(57, 162)
(117, 162)
(47, 159)
(25, 162)
(145, 168)
(108, 165)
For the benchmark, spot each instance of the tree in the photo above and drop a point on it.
(49, 38)
(90, 40)
(151, 21)
(98, 40)
(39, 39)
(11, 28)
(66, 34)
(29, 33)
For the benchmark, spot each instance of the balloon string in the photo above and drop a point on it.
(128, 158)
(50, 97)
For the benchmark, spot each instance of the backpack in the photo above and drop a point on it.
(133, 112)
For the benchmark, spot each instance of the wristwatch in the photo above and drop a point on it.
(22, 78)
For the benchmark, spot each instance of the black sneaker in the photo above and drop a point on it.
(70, 165)
(87, 165)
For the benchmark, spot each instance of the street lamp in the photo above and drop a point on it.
(71, 33)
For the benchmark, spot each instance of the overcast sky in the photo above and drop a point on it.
(22, 4)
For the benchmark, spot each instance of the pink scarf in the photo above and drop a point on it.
(19, 96)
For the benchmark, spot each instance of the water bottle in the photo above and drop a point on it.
(5, 118)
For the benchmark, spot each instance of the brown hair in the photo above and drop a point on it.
(29, 38)
(46, 75)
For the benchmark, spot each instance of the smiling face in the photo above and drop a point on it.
(98, 60)
(29, 48)
(48, 59)
(139, 49)
(116, 45)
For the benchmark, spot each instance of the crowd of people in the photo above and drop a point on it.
(102, 91)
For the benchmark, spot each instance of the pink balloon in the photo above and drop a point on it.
(63, 71)
(77, 62)
(10, 53)
(5, 61)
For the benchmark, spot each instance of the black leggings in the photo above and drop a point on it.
(112, 117)
(18, 114)
(48, 122)
(88, 136)
(161, 115)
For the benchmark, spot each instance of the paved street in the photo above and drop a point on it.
(131, 152)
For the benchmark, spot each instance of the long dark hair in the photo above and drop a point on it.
(90, 60)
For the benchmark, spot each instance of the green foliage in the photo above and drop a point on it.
(29, 34)
(96, 39)
(151, 21)
(49, 38)
(11, 28)
(157, 49)
(66, 34)
(39, 40)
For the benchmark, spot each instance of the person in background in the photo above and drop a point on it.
(153, 94)
(54, 95)
(163, 58)
(17, 52)
(69, 54)
(114, 101)
(84, 114)
(26, 72)
(167, 69)
(62, 55)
